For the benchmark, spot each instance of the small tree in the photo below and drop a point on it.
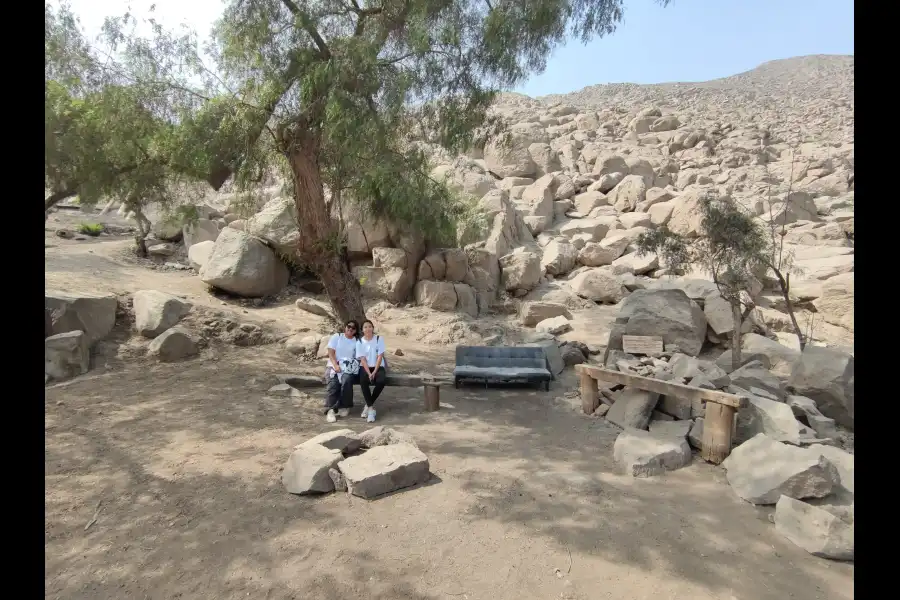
(333, 93)
(731, 246)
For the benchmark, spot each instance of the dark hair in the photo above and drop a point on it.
(369, 322)
(355, 325)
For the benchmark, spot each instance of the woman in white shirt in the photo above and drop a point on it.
(370, 351)
(341, 372)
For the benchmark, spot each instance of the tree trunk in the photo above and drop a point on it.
(320, 243)
(144, 226)
(786, 294)
(57, 197)
(736, 335)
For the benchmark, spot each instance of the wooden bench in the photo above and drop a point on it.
(720, 406)
(432, 385)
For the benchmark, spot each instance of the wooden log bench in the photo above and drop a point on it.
(432, 385)
(720, 406)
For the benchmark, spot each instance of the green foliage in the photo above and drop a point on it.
(91, 229)
(733, 247)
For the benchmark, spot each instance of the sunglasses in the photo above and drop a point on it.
(350, 327)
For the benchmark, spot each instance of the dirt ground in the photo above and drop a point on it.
(180, 464)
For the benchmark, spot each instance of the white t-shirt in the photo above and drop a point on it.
(371, 349)
(344, 347)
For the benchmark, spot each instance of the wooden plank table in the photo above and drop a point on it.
(720, 406)
(432, 385)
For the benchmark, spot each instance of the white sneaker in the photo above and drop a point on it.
(365, 412)
(343, 412)
(329, 417)
(370, 418)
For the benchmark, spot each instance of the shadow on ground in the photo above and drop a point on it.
(185, 462)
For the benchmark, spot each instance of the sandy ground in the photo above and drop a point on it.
(181, 466)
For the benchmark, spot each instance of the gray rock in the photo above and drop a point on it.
(313, 306)
(668, 313)
(306, 470)
(301, 344)
(340, 482)
(814, 529)
(754, 375)
(805, 408)
(554, 325)
(92, 314)
(283, 390)
(667, 428)
(680, 408)
(155, 311)
(384, 469)
(241, 264)
(842, 460)
(781, 358)
(198, 254)
(632, 408)
(724, 361)
(761, 469)
(173, 344)
(345, 440)
(775, 419)
(202, 230)
(572, 355)
(598, 285)
(826, 376)
(533, 312)
(695, 435)
(66, 355)
(384, 436)
(641, 454)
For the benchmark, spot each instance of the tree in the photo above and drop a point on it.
(334, 92)
(731, 246)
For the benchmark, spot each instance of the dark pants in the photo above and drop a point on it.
(364, 382)
(339, 392)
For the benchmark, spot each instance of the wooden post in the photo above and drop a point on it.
(717, 428)
(590, 399)
(432, 398)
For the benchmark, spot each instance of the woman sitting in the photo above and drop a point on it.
(370, 351)
(341, 372)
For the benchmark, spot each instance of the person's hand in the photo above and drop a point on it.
(337, 368)
(369, 371)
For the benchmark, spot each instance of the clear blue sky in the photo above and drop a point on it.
(689, 40)
(698, 40)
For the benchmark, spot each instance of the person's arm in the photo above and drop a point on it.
(332, 344)
(380, 349)
(361, 355)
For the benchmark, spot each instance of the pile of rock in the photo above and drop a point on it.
(811, 488)
(157, 316)
(74, 323)
(367, 465)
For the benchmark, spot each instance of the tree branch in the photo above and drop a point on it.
(307, 25)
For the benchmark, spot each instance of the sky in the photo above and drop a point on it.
(689, 40)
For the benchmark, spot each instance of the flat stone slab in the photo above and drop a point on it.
(632, 408)
(817, 531)
(384, 469)
(346, 441)
(761, 470)
(640, 453)
(306, 470)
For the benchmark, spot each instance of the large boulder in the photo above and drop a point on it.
(598, 254)
(156, 311)
(241, 264)
(306, 469)
(92, 314)
(826, 376)
(687, 219)
(198, 254)
(814, 529)
(385, 469)
(201, 230)
(835, 304)
(628, 194)
(520, 271)
(761, 470)
(775, 419)
(668, 313)
(276, 224)
(175, 343)
(533, 312)
(393, 284)
(508, 156)
(754, 375)
(446, 296)
(781, 358)
(632, 408)
(559, 257)
(66, 355)
(642, 454)
(598, 285)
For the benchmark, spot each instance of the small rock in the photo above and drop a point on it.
(641, 454)
(345, 440)
(695, 435)
(554, 325)
(815, 530)
(173, 344)
(283, 390)
(306, 470)
(384, 469)
(384, 436)
(299, 344)
(66, 355)
(314, 307)
(398, 352)
(340, 482)
(155, 312)
(632, 408)
(601, 410)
